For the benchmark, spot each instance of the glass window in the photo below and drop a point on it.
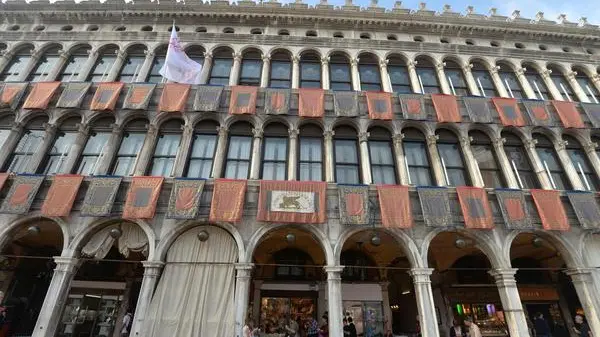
(92, 153)
(251, 69)
(370, 77)
(201, 158)
(537, 84)
(347, 165)
(456, 79)
(563, 86)
(128, 153)
(399, 76)
(159, 61)
(57, 155)
(281, 71)
(101, 68)
(417, 159)
(484, 81)
(44, 66)
(238, 157)
(452, 161)
(427, 77)
(26, 148)
(546, 152)
(510, 80)
(274, 158)
(382, 162)
(582, 164)
(196, 53)
(219, 74)
(4, 133)
(310, 165)
(131, 66)
(339, 73)
(519, 161)
(74, 65)
(588, 87)
(165, 153)
(310, 71)
(486, 160)
(15, 67)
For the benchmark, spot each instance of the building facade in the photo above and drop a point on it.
(80, 275)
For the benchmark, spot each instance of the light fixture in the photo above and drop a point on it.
(290, 238)
(406, 292)
(115, 232)
(537, 242)
(375, 240)
(33, 230)
(460, 243)
(203, 236)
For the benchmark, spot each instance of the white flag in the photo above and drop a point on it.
(178, 66)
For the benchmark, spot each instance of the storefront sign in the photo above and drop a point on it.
(538, 294)
(473, 295)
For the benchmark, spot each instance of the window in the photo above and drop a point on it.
(537, 83)
(196, 53)
(383, 169)
(165, 152)
(239, 152)
(92, 28)
(16, 66)
(67, 28)
(543, 47)
(582, 164)
(427, 77)
(120, 28)
(418, 39)
(566, 49)
(159, 61)
(134, 135)
(44, 66)
(519, 45)
(399, 75)
(204, 146)
(275, 144)
(444, 40)
(132, 64)
(310, 70)
(339, 73)
(39, 28)
(6, 122)
(338, 35)
(251, 69)
(365, 36)
(201, 30)
(28, 145)
(74, 65)
(58, 153)
(519, 161)
(485, 158)
(452, 160)
(170, 29)
(256, 31)
(346, 156)
(549, 158)
(283, 32)
(368, 69)
(106, 59)
(221, 67)
(292, 264)
(495, 44)
(281, 71)
(416, 158)
(310, 162)
(587, 86)
(456, 79)
(311, 33)
(147, 29)
(510, 80)
(469, 42)
(93, 152)
(484, 80)
(563, 86)
(228, 30)
(392, 37)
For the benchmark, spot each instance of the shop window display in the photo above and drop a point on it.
(90, 313)
(366, 316)
(275, 313)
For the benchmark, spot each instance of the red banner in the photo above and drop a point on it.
(227, 203)
(311, 102)
(61, 195)
(3, 178)
(550, 209)
(243, 100)
(394, 203)
(475, 207)
(40, 95)
(509, 111)
(106, 96)
(292, 201)
(446, 108)
(142, 197)
(568, 114)
(173, 97)
(380, 105)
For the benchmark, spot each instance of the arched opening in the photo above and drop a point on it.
(562, 84)
(417, 158)
(510, 80)
(310, 70)
(582, 164)
(520, 161)
(339, 72)
(154, 76)
(586, 84)
(75, 63)
(44, 66)
(456, 78)
(251, 68)
(484, 80)
(90, 157)
(536, 81)
(551, 162)
(31, 139)
(221, 66)
(275, 151)
(136, 55)
(488, 164)
(239, 151)
(368, 69)
(427, 75)
(281, 70)
(107, 56)
(399, 77)
(381, 154)
(15, 68)
(451, 155)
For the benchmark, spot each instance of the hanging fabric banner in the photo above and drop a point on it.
(413, 106)
(61, 195)
(513, 208)
(593, 112)
(184, 202)
(173, 97)
(394, 203)
(379, 105)
(11, 94)
(345, 103)
(228, 198)
(446, 108)
(478, 109)
(3, 179)
(569, 116)
(311, 102)
(106, 96)
(73, 95)
(142, 197)
(39, 97)
(475, 207)
(586, 208)
(354, 204)
(243, 100)
(509, 111)
(277, 101)
(550, 209)
(208, 98)
(100, 196)
(292, 202)
(21, 194)
(138, 96)
(435, 204)
(538, 113)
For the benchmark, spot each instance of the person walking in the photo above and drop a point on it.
(473, 328)
(456, 330)
(324, 329)
(293, 329)
(126, 324)
(312, 329)
(582, 329)
(540, 326)
(351, 327)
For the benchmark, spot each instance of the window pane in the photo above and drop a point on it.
(199, 168)
(43, 68)
(311, 171)
(381, 153)
(579, 159)
(26, 148)
(416, 153)
(399, 75)
(538, 86)
(219, 74)
(384, 175)
(132, 65)
(346, 174)
(275, 148)
(281, 70)
(341, 86)
(237, 170)
(274, 171)
(369, 73)
(58, 152)
(428, 76)
(167, 145)
(251, 71)
(128, 152)
(457, 81)
(102, 67)
(239, 147)
(15, 68)
(484, 80)
(420, 176)
(451, 154)
(91, 153)
(3, 136)
(73, 68)
(345, 151)
(514, 87)
(310, 71)
(340, 72)
(157, 64)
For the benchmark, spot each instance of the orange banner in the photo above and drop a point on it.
(40, 95)
(446, 108)
(550, 209)
(568, 114)
(292, 201)
(311, 102)
(509, 111)
(394, 202)
(106, 96)
(380, 105)
(3, 178)
(243, 100)
(61, 195)
(174, 97)
(142, 197)
(227, 203)
(475, 207)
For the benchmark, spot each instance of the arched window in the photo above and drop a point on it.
(355, 262)
(281, 71)
(132, 64)
(310, 70)
(417, 157)
(221, 67)
(582, 164)
(427, 76)
(28, 145)
(251, 68)
(44, 66)
(275, 150)
(196, 53)
(106, 58)
(165, 152)
(310, 161)
(537, 82)
(291, 264)
(456, 79)
(154, 76)
(472, 269)
(519, 161)
(588, 87)
(347, 165)
(6, 123)
(399, 75)
(17, 65)
(547, 153)
(483, 151)
(563, 86)
(339, 72)
(74, 64)
(383, 168)
(510, 80)
(204, 146)
(132, 141)
(93, 152)
(484, 80)
(57, 154)
(368, 69)
(452, 160)
(239, 152)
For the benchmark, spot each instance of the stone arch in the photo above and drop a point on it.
(309, 50)
(78, 45)
(134, 46)
(277, 119)
(43, 48)
(163, 118)
(7, 233)
(341, 52)
(567, 249)
(563, 69)
(397, 54)
(372, 123)
(251, 48)
(159, 48)
(349, 122)
(425, 129)
(280, 49)
(461, 62)
(488, 130)
(488, 64)
(428, 57)
(204, 118)
(547, 132)
(26, 117)
(581, 135)
(21, 47)
(533, 65)
(232, 119)
(511, 65)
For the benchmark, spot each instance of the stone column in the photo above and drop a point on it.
(16, 132)
(256, 153)
(567, 164)
(436, 162)
(185, 146)
(115, 69)
(354, 73)
(146, 67)
(206, 68)
(146, 152)
(498, 82)
(529, 93)
(386, 83)
(75, 150)
(110, 151)
(504, 163)
(401, 168)
(220, 153)
(441, 74)
(329, 163)
(584, 286)
(590, 150)
(596, 80)
(83, 73)
(293, 154)
(365, 160)
(235, 69)
(581, 95)
(243, 276)
(334, 300)
(473, 88)
(33, 61)
(387, 310)
(266, 68)
(536, 164)
(470, 162)
(40, 153)
(554, 91)
(295, 72)
(152, 271)
(56, 297)
(325, 80)
(511, 302)
(53, 72)
(5, 59)
(424, 294)
(414, 77)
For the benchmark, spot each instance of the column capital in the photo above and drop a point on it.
(590, 147)
(243, 270)
(333, 271)
(17, 127)
(363, 137)
(116, 129)
(92, 52)
(152, 268)
(295, 59)
(149, 53)
(325, 60)
(83, 129)
(354, 62)
(411, 64)
(222, 131)
(50, 128)
(595, 77)
(237, 57)
(465, 141)
(66, 264)
(63, 54)
(121, 54)
(257, 133)
(530, 143)
(545, 73)
(397, 138)
(579, 274)
(495, 70)
(571, 75)
(440, 66)
(432, 139)
(421, 275)
(504, 276)
(152, 129)
(328, 135)
(266, 59)
(293, 133)
(561, 145)
(521, 71)
(208, 55)
(499, 142)
(467, 68)
(187, 129)
(383, 63)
